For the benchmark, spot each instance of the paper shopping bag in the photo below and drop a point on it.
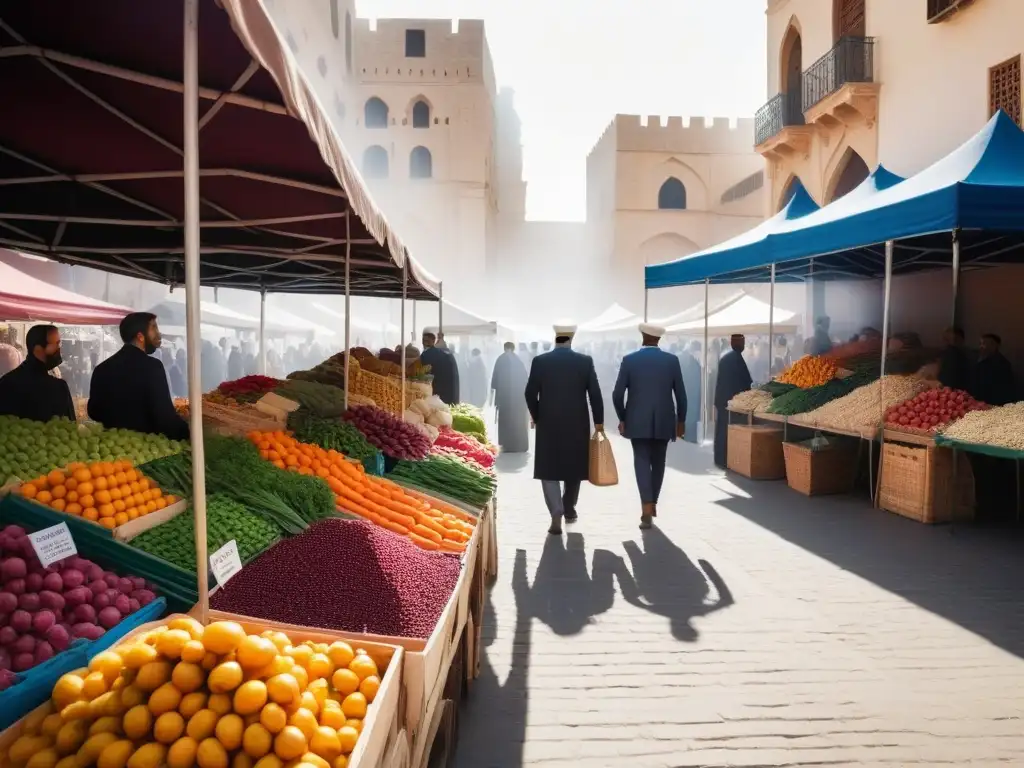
(602, 461)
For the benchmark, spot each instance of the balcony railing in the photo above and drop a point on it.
(782, 111)
(851, 60)
(941, 9)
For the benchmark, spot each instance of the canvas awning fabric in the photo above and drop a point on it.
(24, 298)
(614, 315)
(458, 321)
(743, 315)
(91, 159)
(745, 251)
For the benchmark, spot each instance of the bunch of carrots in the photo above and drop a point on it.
(428, 523)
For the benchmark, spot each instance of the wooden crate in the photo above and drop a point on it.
(380, 727)
(755, 451)
(820, 472)
(425, 662)
(917, 482)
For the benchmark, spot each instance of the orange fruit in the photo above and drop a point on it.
(57, 504)
(103, 497)
(229, 731)
(219, 703)
(90, 513)
(211, 754)
(86, 500)
(44, 497)
(369, 687)
(273, 718)
(115, 494)
(255, 652)
(283, 689)
(305, 721)
(99, 482)
(224, 677)
(250, 697)
(108, 522)
(59, 492)
(28, 490)
(257, 740)
(120, 518)
(355, 723)
(290, 743)
(56, 477)
(347, 738)
(354, 705)
(71, 496)
(345, 681)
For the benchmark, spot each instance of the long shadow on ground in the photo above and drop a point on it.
(971, 576)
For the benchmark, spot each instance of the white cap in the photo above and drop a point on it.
(649, 329)
(565, 330)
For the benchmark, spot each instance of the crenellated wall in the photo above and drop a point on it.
(697, 135)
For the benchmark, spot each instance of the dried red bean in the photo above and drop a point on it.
(347, 575)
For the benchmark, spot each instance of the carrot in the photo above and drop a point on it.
(395, 527)
(456, 536)
(427, 533)
(422, 542)
(427, 522)
(451, 546)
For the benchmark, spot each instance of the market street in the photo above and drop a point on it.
(837, 635)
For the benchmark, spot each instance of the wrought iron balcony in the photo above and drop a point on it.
(940, 10)
(780, 112)
(851, 60)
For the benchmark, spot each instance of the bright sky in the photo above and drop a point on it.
(575, 63)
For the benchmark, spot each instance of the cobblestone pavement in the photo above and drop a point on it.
(753, 627)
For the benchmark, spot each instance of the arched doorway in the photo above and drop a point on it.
(853, 171)
(792, 64)
(788, 192)
(847, 19)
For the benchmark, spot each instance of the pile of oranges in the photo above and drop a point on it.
(110, 493)
(809, 371)
(183, 695)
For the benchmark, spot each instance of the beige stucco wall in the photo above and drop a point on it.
(934, 83)
(625, 171)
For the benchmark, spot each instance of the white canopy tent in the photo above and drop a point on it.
(614, 317)
(744, 314)
(457, 320)
(359, 324)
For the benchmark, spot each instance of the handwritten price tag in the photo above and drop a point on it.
(53, 544)
(225, 562)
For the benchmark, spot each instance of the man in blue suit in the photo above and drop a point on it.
(643, 397)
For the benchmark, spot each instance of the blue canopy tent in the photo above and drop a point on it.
(737, 253)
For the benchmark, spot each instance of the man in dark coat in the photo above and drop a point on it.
(993, 377)
(442, 367)
(954, 367)
(560, 383)
(733, 378)
(650, 401)
(29, 391)
(508, 383)
(129, 390)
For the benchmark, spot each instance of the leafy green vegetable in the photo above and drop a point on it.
(450, 476)
(468, 419)
(331, 434)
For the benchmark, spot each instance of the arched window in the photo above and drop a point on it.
(854, 171)
(421, 164)
(375, 162)
(672, 195)
(421, 114)
(348, 42)
(375, 113)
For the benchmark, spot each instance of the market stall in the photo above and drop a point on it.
(317, 233)
(880, 387)
(24, 298)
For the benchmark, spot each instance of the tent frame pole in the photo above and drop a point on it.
(707, 378)
(192, 295)
(887, 296)
(646, 292)
(956, 275)
(440, 309)
(263, 331)
(405, 292)
(771, 323)
(348, 300)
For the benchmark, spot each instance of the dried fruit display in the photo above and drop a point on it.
(1000, 427)
(809, 371)
(750, 401)
(379, 583)
(862, 409)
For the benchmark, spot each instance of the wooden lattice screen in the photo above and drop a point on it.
(1004, 89)
(849, 18)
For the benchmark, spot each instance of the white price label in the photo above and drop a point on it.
(225, 562)
(53, 544)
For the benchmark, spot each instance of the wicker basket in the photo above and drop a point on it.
(386, 392)
(755, 451)
(918, 483)
(819, 472)
(239, 420)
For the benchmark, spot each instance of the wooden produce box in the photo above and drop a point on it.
(380, 727)
(819, 472)
(917, 482)
(755, 451)
(425, 662)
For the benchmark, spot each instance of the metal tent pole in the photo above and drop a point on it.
(348, 299)
(887, 295)
(405, 292)
(707, 379)
(440, 307)
(956, 272)
(192, 296)
(412, 332)
(645, 304)
(263, 331)
(771, 323)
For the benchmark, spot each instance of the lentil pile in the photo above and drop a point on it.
(1001, 427)
(750, 401)
(381, 583)
(862, 409)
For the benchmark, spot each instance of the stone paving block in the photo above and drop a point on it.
(757, 627)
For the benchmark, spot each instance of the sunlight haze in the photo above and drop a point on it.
(572, 69)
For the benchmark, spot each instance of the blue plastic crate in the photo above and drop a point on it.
(34, 686)
(374, 465)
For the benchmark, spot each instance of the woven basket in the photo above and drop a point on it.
(237, 421)
(819, 472)
(755, 451)
(386, 392)
(918, 483)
